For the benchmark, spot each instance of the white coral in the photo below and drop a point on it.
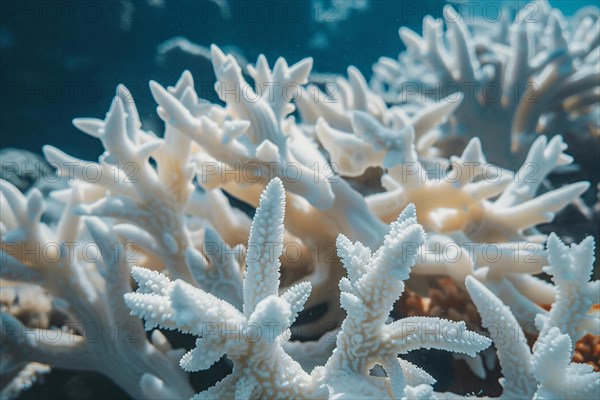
(169, 197)
(374, 283)
(548, 373)
(469, 206)
(571, 268)
(261, 367)
(536, 74)
(564, 379)
(102, 336)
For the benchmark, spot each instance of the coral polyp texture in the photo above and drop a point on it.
(326, 245)
(252, 337)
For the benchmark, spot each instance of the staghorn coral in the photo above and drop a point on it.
(261, 367)
(280, 148)
(460, 204)
(350, 164)
(536, 74)
(102, 336)
(548, 372)
(526, 375)
(470, 204)
(570, 269)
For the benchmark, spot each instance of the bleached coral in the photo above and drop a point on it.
(470, 205)
(102, 336)
(351, 164)
(261, 366)
(149, 203)
(536, 74)
(570, 269)
(457, 204)
(548, 373)
(374, 283)
(240, 161)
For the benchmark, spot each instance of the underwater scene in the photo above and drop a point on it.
(303, 199)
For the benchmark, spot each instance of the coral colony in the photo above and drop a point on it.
(380, 229)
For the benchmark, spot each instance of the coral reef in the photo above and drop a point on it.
(534, 74)
(280, 228)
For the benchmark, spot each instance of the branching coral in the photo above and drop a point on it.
(334, 238)
(237, 164)
(535, 75)
(472, 206)
(149, 203)
(102, 336)
(456, 203)
(261, 366)
(548, 373)
(251, 338)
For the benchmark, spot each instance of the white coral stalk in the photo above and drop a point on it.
(261, 367)
(570, 269)
(102, 336)
(513, 353)
(374, 283)
(148, 203)
(548, 373)
(558, 377)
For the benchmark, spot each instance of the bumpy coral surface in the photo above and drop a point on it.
(252, 337)
(356, 195)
